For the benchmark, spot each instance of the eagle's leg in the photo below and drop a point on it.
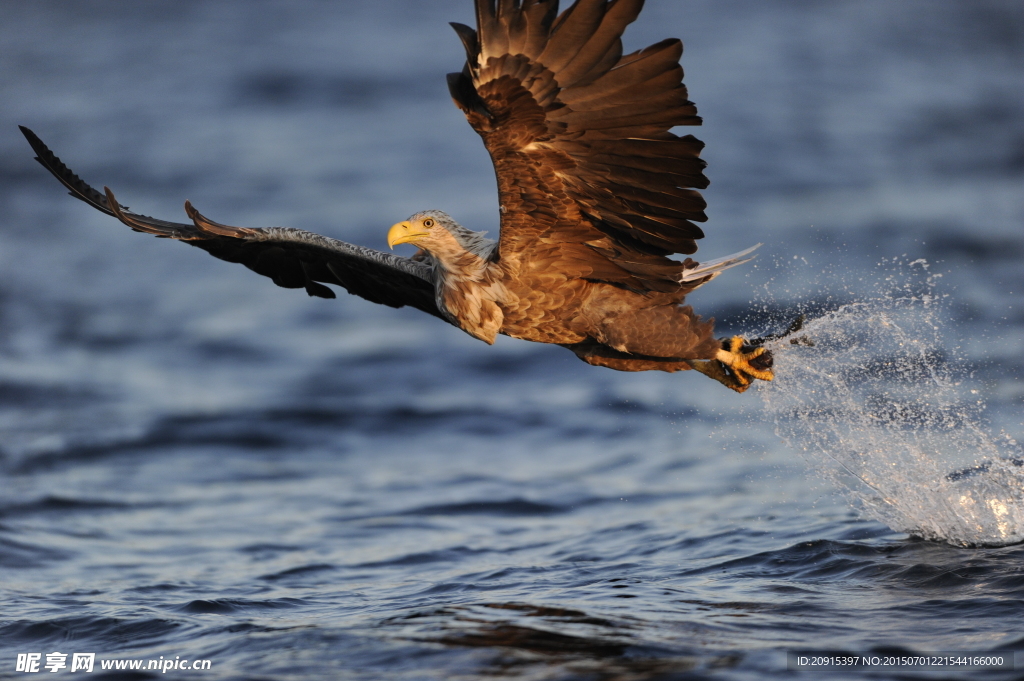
(737, 364)
(741, 357)
(712, 368)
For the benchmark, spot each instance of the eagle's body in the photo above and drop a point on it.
(596, 194)
(554, 299)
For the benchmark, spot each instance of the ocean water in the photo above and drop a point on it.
(198, 465)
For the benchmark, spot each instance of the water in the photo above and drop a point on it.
(874, 396)
(197, 464)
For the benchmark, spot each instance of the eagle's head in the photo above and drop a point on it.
(441, 237)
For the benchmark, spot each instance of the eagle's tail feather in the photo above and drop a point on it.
(712, 268)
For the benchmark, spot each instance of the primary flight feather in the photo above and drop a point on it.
(595, 194)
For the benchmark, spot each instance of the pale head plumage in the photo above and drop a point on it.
(474, 242)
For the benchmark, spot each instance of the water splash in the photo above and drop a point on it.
(878, 406)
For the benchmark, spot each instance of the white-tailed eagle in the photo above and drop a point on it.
(596, 194)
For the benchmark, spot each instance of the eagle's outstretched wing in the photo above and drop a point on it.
(579, 133)
(291, 257)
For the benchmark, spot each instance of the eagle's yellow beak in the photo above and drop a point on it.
(404, 233)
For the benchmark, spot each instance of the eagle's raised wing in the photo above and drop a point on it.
(579, 133)
(291, 257)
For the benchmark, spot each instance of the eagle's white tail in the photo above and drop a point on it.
(712, 268)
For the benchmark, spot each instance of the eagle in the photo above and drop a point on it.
(596, 194)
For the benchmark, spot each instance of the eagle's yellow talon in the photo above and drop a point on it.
(733, 368)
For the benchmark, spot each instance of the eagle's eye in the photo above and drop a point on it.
(428, 223)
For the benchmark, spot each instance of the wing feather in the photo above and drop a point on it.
(292, 258)
(539, 15)
(633, 78)
(601, 47)
(580, 134)
(571, 34)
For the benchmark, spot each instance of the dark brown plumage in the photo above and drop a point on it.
(596, 193)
